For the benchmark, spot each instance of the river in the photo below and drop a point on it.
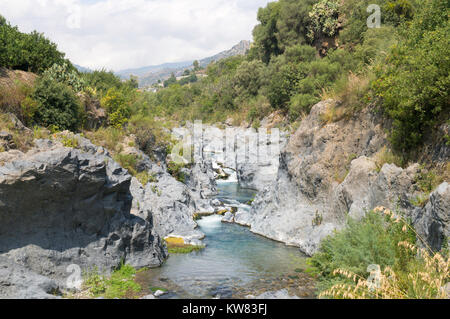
(235, 262)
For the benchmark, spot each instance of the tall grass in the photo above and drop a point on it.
(408, 272)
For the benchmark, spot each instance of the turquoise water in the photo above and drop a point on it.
(233, 258)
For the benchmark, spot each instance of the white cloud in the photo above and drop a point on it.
(119, 34)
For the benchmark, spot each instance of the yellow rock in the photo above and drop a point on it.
(222, 212)
(174, 240)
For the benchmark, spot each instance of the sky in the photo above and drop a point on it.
(122, 34)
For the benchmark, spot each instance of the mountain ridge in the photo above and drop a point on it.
(149, 75)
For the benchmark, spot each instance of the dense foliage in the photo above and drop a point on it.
(413, 82)
(27, 51)
(57, 105)
(303, 51)
(377, 257)
(372, 240)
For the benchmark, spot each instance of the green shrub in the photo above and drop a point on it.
(65, 74)
(128, 161)
(372, 240)
(57, 105)
(248, 78)
(301, 104)
(117, 107)
(413, 81)
(174, 169)
(102, 81)
(399, 269)
(324, 19)
(28, 52)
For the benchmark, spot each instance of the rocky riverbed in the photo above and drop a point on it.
(63, 206)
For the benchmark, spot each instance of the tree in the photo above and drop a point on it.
(102, 80)
(413, 81)
(170, 81)
(264, 34)
(117, 107)
(57, 105)
(292, 24)
(28, 52)
(196, 65)
(133, 82)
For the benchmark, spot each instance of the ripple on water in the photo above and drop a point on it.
(234, 257)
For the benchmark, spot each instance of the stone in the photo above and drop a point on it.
(307, 202)
(159, 293)
(78, 210)
(228, 218)
(433, 221)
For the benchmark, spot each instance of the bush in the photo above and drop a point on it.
(372, 240)
(117, 107)
(248, 78)
(57, 105)
(65, 74)
(149, 134)
(413, 273)
(301, 104)
(102, 81)
(324, 19)
(413, 81)
(128, 161)
(28, 52)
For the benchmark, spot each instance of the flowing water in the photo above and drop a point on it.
(234, 260)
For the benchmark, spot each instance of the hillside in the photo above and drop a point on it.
(325, 135)
(151, 74)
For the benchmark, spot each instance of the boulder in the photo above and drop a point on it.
(308, 199)
(433, 221)
(61, 206)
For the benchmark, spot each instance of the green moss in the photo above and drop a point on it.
(120, 284)
(71, 142)
(144, 178)
(174, 169)
(185, 249)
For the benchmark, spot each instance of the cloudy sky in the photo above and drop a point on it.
(121, 34)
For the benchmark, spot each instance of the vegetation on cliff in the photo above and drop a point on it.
(303, 51)
(377, 257)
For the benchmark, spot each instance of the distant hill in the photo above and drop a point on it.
(82, 68)
(151, 74)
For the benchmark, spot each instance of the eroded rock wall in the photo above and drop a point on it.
(309, 200)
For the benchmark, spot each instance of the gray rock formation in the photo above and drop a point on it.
(170, 204)
(252, 156)
(62, 206)
(307, 201)
(18, 282)
(433, 221)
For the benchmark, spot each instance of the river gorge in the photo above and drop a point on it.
(235, 263)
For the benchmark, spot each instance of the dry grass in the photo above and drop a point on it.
(351, 93)
(110, 138)
(424, 280)
(23, 140)
(15, 86)
(385, 156)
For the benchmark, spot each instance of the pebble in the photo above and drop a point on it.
(159, 293)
